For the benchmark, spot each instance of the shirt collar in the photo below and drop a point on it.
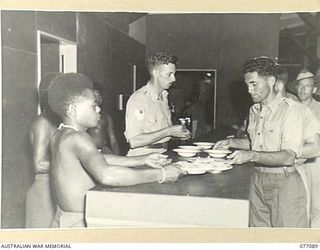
(272, 106)
(313, 102)
(154, 94)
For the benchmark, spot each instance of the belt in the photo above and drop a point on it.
(279, 170)
(158, 145)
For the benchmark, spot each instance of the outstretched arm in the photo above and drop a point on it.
(277, 158)
(113, 175)
(154, 160)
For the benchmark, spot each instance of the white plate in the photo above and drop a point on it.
(193, 168)
(186, 152)
(189, 147)
(204, 145)
(215, 172)
(220, 169)
(218, 153)
(195, 171)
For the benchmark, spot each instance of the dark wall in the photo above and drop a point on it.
(19, 77)
(216, 41)
(19, 101)
(93, 44)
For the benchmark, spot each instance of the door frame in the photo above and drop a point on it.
(214, 89)
(67, 48)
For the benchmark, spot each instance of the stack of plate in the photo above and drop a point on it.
(204, 145)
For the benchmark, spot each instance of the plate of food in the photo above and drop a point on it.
(193, 168)
(204, 145)
(219, 169)
(201, 160)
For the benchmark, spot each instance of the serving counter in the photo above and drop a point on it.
(206, 200)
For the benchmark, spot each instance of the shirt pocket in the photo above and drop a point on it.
(272, 136)
(150, 123)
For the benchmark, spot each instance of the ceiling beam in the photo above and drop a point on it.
(297, 30)
(311, 21)
(305, 50)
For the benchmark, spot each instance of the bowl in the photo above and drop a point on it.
(218, 153)
(186, 152)
(189, 147)
(204, 145)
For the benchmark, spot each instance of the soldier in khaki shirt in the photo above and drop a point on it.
(305, 88)
(148, 118)
(277, 195)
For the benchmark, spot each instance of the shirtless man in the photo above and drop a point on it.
(39, 204)
(104, 135)
(77, 165)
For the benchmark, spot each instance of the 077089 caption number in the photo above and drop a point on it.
(308, 245)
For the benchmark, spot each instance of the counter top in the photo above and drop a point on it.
(205, 200)
(230, 184)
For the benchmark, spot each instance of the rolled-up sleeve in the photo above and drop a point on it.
(134, 117)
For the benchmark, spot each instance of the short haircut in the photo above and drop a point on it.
(160, 58)
(65, 89)
(43, 89)
(283, 75)
(263, 65)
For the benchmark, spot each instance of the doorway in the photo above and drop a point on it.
(55, 54)
(194, 95)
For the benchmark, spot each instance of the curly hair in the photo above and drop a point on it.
(263, 65)
(65, 89)
(160, 58)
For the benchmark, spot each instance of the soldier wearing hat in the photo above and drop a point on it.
(305, 89)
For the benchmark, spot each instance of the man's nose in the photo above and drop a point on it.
(173, 78)
(98, 109)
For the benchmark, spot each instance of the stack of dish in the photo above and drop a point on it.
(189, 147)
(204, 145)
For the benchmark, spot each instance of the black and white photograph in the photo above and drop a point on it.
(137, 119)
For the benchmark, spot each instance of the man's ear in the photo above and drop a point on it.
(155, 72)
(71, 110)
(314, 90)
(271, 80)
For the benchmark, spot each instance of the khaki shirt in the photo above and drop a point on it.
(312, 168)
(147, 112)
(277, 126)
(315, 108)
